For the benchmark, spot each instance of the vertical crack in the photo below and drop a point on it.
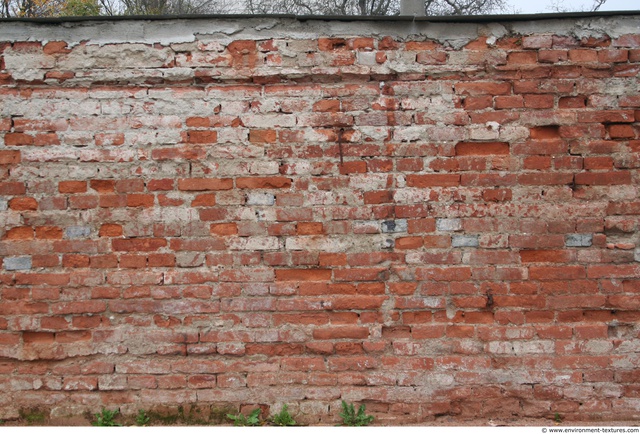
(340, 133)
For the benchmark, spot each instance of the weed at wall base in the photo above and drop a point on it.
(352, 418)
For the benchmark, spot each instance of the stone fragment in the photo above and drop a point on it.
(261, 199)
(464, 241)
(578, 240)
(390, 226)
(17, 263)
(448, 225)
(77, 232)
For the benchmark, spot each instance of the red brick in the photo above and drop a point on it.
(18, 139)
(72, 186)
(621, 131)
(420, 45)
(261, 182)
(309, 228)
(224, 228)
(67, 337)
(330, 44)
(433, 180)
(49, 232)
(10, 157)
(523, 57)
(196, 136)
(103, 186)
(302, 274)
(572, 102)
(613, 56)
(378, 197)
(388, 43)
(262, 136)
(110, 230)
(140, 200)
(203, 184)
(23, 204)
(138, 244)
(607, 116)
(628, 40)
(344, 332)
(509, 102)
(546, 132)
(327, 105)
(598, 163)
(353, 167)
(12, 188)
(406, 243)
(37, 337)
(603, 178)
(546, 179)
(83, 202)
(160, 185)
(497, 195)
(207, 199)
(539, 101)
(537, 41)
(19, 233)
(482, 148)
(75, 261)
(179, 153)
(483, 88)
(583, 56)
(546, 256)
(431, 57)
(568, 272)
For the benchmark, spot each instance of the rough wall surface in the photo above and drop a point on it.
(430, 218)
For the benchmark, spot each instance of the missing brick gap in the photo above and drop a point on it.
(489, 299)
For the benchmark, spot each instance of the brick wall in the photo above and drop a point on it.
(429, 218)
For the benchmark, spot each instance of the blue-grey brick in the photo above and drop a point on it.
(17, 263)
(464, 241)
(636, 254)
(263, 199)
(3, 205)
(578, 240)
(389, 226)
(77, 232)
(449, 225)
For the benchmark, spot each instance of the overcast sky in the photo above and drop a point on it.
(545, 6)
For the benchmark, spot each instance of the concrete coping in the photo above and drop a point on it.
(454, 32)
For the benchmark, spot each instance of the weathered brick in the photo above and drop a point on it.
(202, 184)
(260, 182)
